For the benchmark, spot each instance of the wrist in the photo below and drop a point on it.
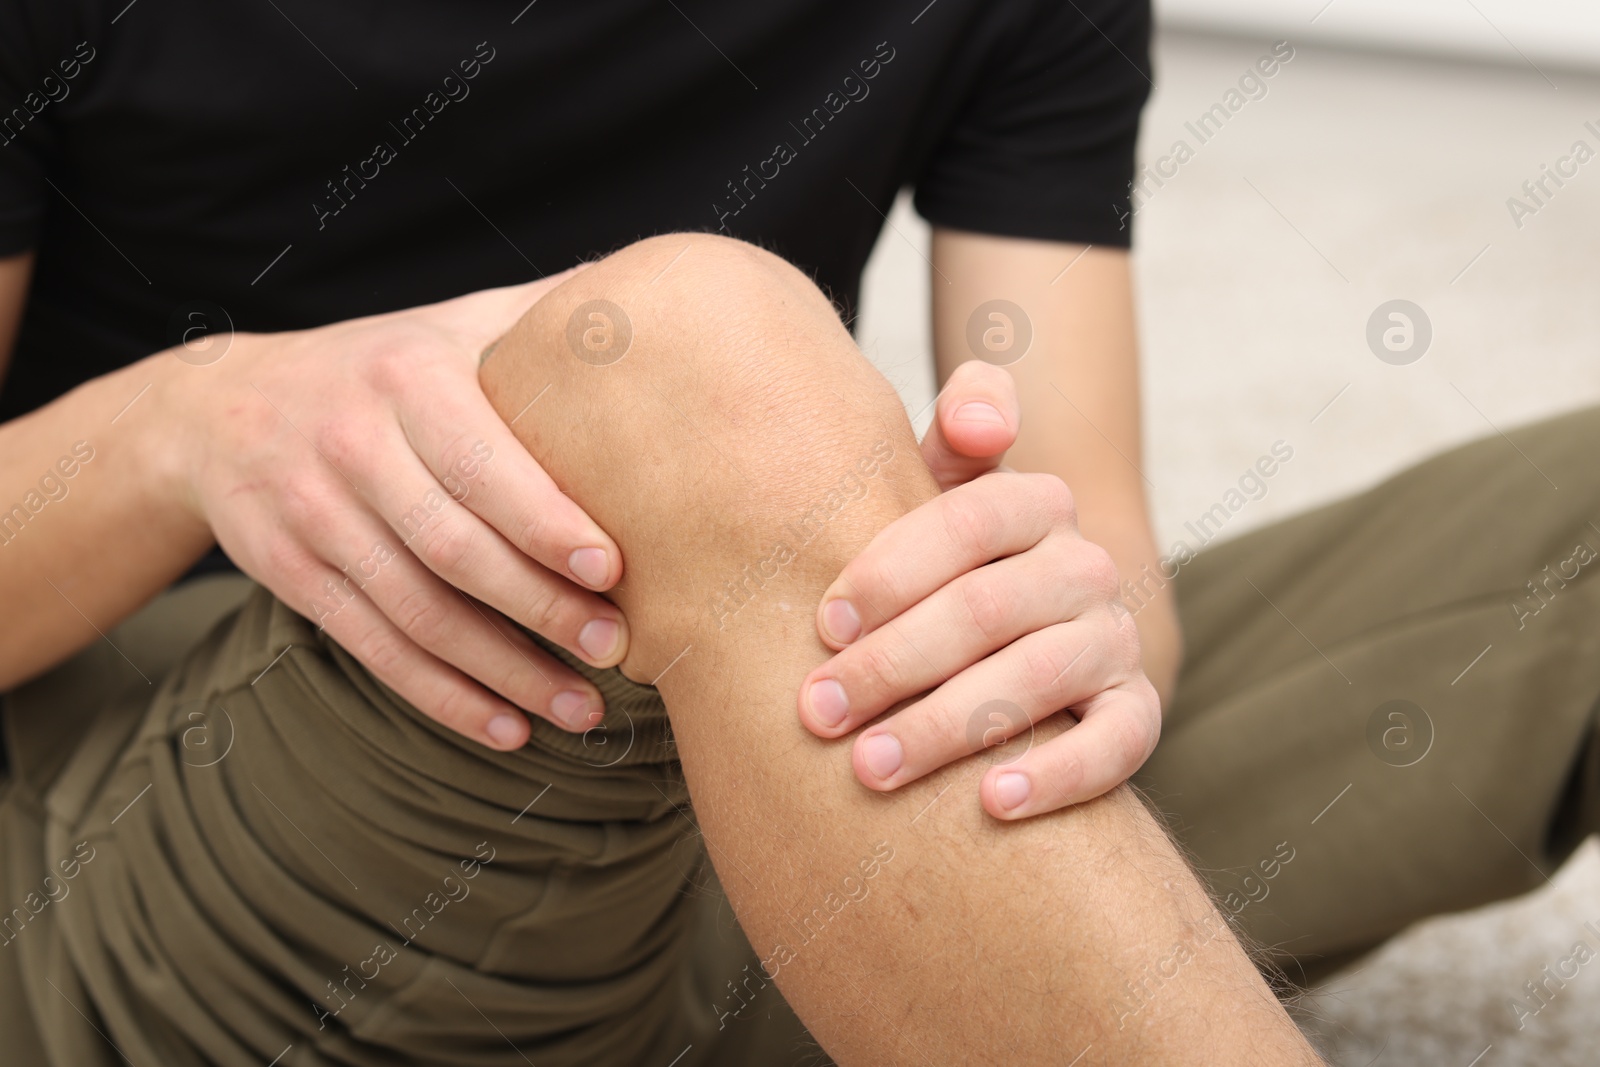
(170, 436)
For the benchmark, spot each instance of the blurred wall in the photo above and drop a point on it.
(1558, 33)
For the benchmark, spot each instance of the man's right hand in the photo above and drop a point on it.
(358, 472)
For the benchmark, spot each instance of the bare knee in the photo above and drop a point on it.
(684, 303)
(699, 397)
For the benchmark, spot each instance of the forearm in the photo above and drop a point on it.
(92, 522)
(1078, 383)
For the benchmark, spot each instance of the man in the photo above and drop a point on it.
(366, 396)
(286, 859)
(423, 184)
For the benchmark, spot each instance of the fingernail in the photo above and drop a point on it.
(882, 754)
(589, 566)
(841, 621)
(978, 411)
(505, 730)
(598, 638)
(829, 705)
(1011, 790)
(573, 707)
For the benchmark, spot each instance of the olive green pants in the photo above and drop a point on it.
(222, 842)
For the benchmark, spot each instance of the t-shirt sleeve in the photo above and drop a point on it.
(30, 90)
(1043, 146)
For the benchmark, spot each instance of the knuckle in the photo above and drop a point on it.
(1069, 775)
(448, 547)
(1130, 647)
(381, 651)
(284, 560)
(298, 504)
(1131, 742)
(879, 668)
(392, 355)
(1098, 573)
(1152, 704)
(972, 521)
(1056, 499)
(455, 709)
(1115, 631)
(457, 465)
(543, 610)
(868, 580)
(950, 726)
(532, 531)
(936, 734)
(1043, 663)
(988, 608)
(423, 617)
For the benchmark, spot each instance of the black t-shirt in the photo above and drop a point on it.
(305, 161)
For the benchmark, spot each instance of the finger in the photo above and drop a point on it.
(439, 691)
(1058, 667)
(955, 532)
(435, 688)
(959, 624)
(459, 547)
(489, 471)
(976, 419)
(1118, 731)
(449, 626)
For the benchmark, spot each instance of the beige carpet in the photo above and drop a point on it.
(1356, 179)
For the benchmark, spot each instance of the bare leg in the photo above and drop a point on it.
(741, 434)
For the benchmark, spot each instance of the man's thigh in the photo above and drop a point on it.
(1387, 706)
(283, 853)
(93, 699)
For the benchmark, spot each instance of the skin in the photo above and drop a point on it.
(975, 940)
(306, 455)
(299, 453)
(1078, 388)
(1083, 348)
(15, 272)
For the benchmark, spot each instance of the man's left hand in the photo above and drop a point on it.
(988, 596)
